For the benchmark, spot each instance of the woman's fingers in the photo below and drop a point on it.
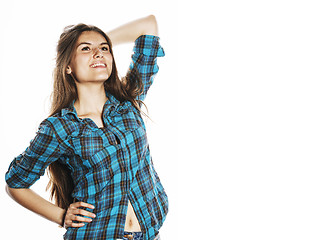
(82, 204)
(84, 213)
(70, 223)
(77, 224)
(80, 219)
(75, 213)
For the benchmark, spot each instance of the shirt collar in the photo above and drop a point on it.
(112, 101)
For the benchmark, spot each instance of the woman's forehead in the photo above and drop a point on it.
(92, 37)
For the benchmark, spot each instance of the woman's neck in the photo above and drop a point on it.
(91, 99)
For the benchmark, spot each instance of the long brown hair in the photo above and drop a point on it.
(65, 91)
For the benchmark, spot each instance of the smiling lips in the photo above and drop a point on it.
(98, 64)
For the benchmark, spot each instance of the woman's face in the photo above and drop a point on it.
(92, 60)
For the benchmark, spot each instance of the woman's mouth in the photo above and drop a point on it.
(95, 65)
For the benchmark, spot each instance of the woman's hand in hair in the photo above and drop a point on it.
(77, 217)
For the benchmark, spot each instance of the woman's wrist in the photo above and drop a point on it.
(61, 221)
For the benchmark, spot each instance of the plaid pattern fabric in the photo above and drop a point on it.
(109, 165)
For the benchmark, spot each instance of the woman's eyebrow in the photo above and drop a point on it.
(88, 43)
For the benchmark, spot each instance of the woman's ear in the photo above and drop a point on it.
(68, 70)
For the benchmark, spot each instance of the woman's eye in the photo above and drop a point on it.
(85, 49)
(105, 49)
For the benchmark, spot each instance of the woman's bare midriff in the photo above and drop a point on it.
(131, 223)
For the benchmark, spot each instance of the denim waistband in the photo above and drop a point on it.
(133, 236)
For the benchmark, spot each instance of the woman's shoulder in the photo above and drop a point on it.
(60, 124)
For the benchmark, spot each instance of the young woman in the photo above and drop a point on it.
(94, 142)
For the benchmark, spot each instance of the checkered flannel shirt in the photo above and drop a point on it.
(109, 165)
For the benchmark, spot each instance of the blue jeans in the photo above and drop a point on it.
(135, 236)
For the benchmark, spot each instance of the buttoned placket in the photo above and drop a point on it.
(108, 118)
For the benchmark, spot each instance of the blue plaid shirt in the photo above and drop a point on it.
(109, 165)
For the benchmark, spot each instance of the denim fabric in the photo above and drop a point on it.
(136, 236)
(133, 236)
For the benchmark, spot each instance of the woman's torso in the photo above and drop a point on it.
(131, 223)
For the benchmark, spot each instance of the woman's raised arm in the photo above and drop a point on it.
(129, 32)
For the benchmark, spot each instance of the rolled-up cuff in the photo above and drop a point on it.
(148, 45)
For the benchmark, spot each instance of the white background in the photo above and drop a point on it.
(233, 108)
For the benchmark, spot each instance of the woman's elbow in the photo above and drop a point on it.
(152, 25)
(8, 189)
(11, 191)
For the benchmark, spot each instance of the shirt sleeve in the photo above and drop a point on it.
(27, 168)
(144, 59)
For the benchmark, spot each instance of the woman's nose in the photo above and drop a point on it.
(98, 53)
